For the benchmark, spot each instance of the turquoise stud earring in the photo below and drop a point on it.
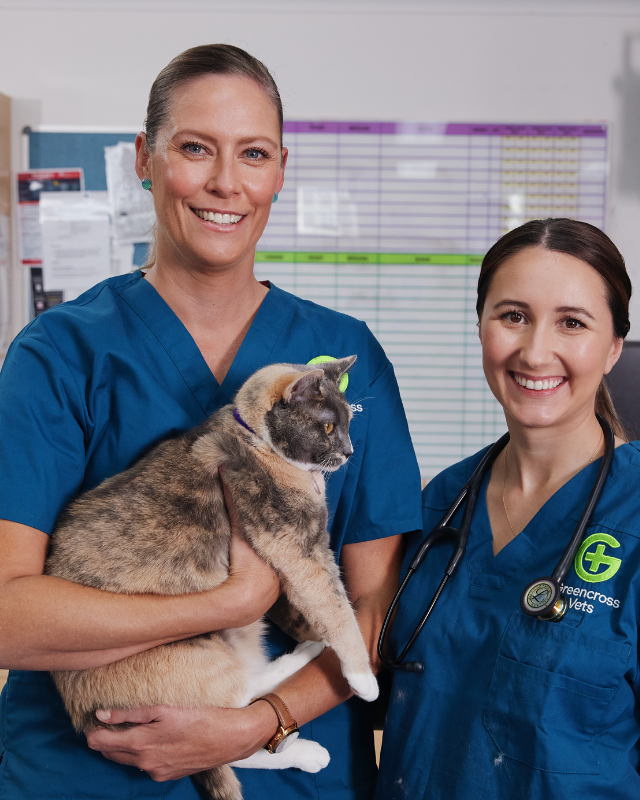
(146, 184)
(275, 197)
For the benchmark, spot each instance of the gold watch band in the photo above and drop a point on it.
(287, 726)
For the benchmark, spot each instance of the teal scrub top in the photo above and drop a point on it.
(509, 706)
(91, 384)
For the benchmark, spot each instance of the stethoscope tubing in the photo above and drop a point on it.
(569, 554)
(442, 530)
(469, 492)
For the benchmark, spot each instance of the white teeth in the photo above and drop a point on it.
(538, 385)
(221, 219)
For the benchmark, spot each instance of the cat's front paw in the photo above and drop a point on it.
(364, 684)
(310, 649)
(308, 756)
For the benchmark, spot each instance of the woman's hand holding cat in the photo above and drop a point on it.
(258, 585)
(169, 743)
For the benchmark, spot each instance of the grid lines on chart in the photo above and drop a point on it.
(388, 222)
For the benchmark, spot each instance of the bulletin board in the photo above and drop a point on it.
(388, 222)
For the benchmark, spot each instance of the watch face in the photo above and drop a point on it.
(290, 739)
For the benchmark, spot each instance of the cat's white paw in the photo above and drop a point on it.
(282, 668)
(364, 684)
(310, 649)
(302, 754)
(308, 756)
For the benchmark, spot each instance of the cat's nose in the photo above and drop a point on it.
(347, 448)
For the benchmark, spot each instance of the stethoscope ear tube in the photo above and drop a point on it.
(542, 597)
(411, 666)
(443, 530)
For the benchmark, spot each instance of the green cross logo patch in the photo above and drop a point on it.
(589, 563)
(344, 380)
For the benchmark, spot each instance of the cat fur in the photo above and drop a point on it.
(161, 527)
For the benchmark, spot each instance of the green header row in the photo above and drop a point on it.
(372, 258)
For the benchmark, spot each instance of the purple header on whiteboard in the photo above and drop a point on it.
(311, 127)
(447, 129)
(421, 128)
(358, 127)
(480, 129)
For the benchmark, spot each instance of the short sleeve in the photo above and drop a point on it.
(387, 499)
(42, 433)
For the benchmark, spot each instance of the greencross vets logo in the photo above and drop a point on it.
(344, 380)
(589, 563)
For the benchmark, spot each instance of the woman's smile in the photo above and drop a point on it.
(219, 217)
(537, 384)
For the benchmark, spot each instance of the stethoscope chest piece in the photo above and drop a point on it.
(542, 598)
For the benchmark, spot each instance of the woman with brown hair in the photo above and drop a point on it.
(511, 705)
(91, 384)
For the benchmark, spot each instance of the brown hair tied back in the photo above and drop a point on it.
(206, 59)
(582, 241)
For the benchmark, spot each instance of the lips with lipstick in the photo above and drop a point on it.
(214, 216)
(537, 385)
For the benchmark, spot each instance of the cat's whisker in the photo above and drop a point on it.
(358, 398)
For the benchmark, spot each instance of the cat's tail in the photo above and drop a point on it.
(219, 783)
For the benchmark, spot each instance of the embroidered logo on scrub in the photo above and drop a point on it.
(589, 563)
(344, 380)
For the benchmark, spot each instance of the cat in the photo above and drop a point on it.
(161, 527)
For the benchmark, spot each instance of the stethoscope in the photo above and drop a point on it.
(542, 597)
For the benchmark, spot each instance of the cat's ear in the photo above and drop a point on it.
(303, 383)
(334, 370)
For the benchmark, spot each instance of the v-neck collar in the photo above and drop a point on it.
(254, 352)
(493, 572)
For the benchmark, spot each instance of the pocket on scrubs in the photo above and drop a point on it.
(551, 687)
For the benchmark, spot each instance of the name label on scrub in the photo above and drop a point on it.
(589, 565)
(576, 593)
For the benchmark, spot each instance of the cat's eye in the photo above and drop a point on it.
(328, 426)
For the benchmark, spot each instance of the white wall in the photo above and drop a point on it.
(91, 62)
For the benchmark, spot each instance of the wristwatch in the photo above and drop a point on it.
(287, 731)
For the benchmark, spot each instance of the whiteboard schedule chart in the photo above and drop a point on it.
(388, 222)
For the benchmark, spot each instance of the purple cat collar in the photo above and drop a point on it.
(239, 419)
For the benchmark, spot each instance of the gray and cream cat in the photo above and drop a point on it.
(161, 527)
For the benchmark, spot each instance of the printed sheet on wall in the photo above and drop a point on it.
(389, 222)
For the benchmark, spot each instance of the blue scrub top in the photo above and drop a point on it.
(509, 706)
(88, 386)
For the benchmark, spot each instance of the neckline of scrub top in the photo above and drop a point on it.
(494, 571)
(171, 333)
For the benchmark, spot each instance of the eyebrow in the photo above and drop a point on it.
(244, 140)
(559, 309)
(574, 310)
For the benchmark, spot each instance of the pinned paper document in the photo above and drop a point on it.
(131, 207)
(74, 230)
